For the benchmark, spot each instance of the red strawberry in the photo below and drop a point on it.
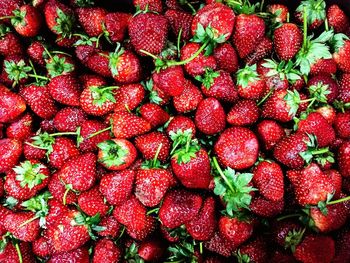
(151, 5)
(92, 132)
(189, 99)
(127, 125)
(249, 84)
(322, 86)
(117, 187)
(263, 50)
(179, 207)
(79, 171)
(111, 226)
(181, 123)
(344, 159)
(42, 247)
(39, 100)
(218, 16)
(21, 227)
(36, 52)
(9, 42)
(65, 89)
(69, 119)
(337, 19)
(235, 230)
(287, 41)
(254, 251)
(324, 67)
(153, 143)
(237, 148)
(10, 253)
(344, 88)
(244, 113)
(106, 251)
(80, 255)
(268, 178)
(342, 124)
(91, 202)
(20, 129)
(170, 80)
(154, 114)
(116, 154)
(210, 116)
(315, 248)
(14, 70)
(203, 226)
(7, 7)
(280, 11)
(11, 105)
(249, 31)
(128, 97)
(342, 56)
(151, 250)
(91, 19)
(315, 13)
(266, 208)
(226, 58)
(117, 25)
(219, 245)
(27, 21)
(148, 32)
(98, 61)
(59, 191)
(10, 152)
(180, 20)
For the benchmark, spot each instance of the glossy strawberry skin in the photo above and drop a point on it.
(117, 25)
(344, 159)
(11, 105)
(226, 58)
(235, 230)
(26, 233)
(91, 202)
(106, 251)
(11, 150)
(287, 40)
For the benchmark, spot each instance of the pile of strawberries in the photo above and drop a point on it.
(174, 131)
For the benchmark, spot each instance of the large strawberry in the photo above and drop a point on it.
(189, 99)
(65, 89)
(249, 84)
(243, 113)
(153, 145)
(22, 226)
(27, 21)
(226, 57)
(314, 10)
(287, 41)
(235, 230)
(92, 19)
(128, 97)
(11, 105)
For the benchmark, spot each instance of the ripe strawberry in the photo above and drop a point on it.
(254, 251)
(315, 248)
(117, 187)
(337, 19)
(180, 20)
(210, 116)
(14, 70)
(342, 56)
(344, 84)
(91, 19)
(327, 112)
(26, 21)
(280, 11)
(219, 245)
(69, 119)
(127, 125)
(7, 7)
(324, 67)
(287, 233)
(249, 84)
(263, 50)
(42, 247)
(170, 80)
(97, 61)
(152, 250)
(91, 202)
(183, 123)
(243, 113)
(10, 253)
(80, 255)
(92, 132)
(249, 31)
(189, 99)
(65, 89)
(106, 251)
(59, 191)
(39, 100)
(20, 129)
(179, 207)
(148, 32)
(10, 152)
(235, 230)
(153, 143)
(344, 159)
(203, 226)
(116, 154)
(151, 5)
(111, 225)
(18, 224)
(266, 208)
(79, 171)
(128, 97)
(226, 58)
(116, 25)
(342, 124)
(218, 16)
(154, 114)
(324, 88)
(198, 65)
(9, 42)
(237, 147)
(315, 13)
(11, 105)
(287, 41)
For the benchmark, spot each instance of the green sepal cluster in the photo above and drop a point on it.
(58, 66)
(84, 3)
(16, 71)
(4, 30)
(114, 59)
(153, 94)
(338, 41)
(85, 40)
(183, 251)
(101, 95)
(293, 239)
(131, 254)
(247, 75)
(318, 92)
(284, 69)
(90, 222)
(341, 106)
(242, 258)
(28, 174)
(322, 205)
(315, 10)
(18, 18)
(112, 153)
(243, 7)
(184, 148)
(293, 100)
(64, 23)
(44, 141)
(209, 77)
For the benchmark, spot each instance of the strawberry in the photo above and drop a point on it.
(14, 70)
(7, 7)
(315, 248)
(65, 89)
(42, 247)
(91, 19)
(92, 132)
(106, 251)
(154, 114)
(151, 5)
(249, 83)
(9, 42)
(179, 207)
(58, 65)
(116, 154)
(79, 172)
(315, 11)
(341, 56)
(189, 99)
(210, 116)
(248, 32)
(170, 80)
(218, 16)
(151, 250)
(327, 112)
(263, 50)
(21, 226)
(268, 178)
(128, 97)
(11, 106)
(69, 119)
(11, 151)
(337, 19)
(20, 129)
(237, 147)
(287, 233)
(127, 125)
(324, 67)
(180, 20)
(287, 41)
(219, 84)
(116, 25)
(254, 251)
(98, 61)
(202, 227)
(181, 123)
(148, 32)
(344, 159)
(243, 113)
(266, 208)
(226, 58)
(91, 202)
(344, 84)
(111, 226)
(323, 86)
(59, 191)
(342, 124)
(76, 255)
(152, 145)
(117, 187)
(62, 150)
(280, 11)
(26, 21)
(219, 245)
(235, 230)
(10, 253)
(39, 100)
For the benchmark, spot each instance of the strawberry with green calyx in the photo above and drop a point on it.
(131, 254)
(233, 188)
(16, 70)
(116, 154)
(12, 249)
(249, 84)
(323, 88)
(341, 46)
(31, 174)
(315, 11)
(185, 251)
(9, 42)
(58, 65)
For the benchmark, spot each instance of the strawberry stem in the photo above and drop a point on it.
(305, 27)
(62, 133)
(339, 201)
(265, 98)
(19, 253)
(47, 52)
(62, 53)
(326, 26)
(154, 163)
(28, 221)
(148, 54)
(109, 88)
(65, 195)
(98, 132)
(288, 216)
(217, 166)
(6, 17)
(38, 77)
(35, 146)
(179, 42)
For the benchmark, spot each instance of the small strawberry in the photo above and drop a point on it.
(98, 61)
(235, 230)
(154, 114)
(106, 251)
(36, 52)
(243, 113)
(255, 250)
(249, 84)
(151, 250)
(116, 25)
(11, 151)
(337, 19)
(183, 123)
(65, 89)
(11, 106)
(226, 58)
(315, 11)
(27, 21)
(280, 11)
(127, 125)
(129, 97)
(91, 202)
(69, 119)
(189, 99)
(42, 247)
(91, 19)
(180, 20)
(344, 159)
(219, 245)
(151, 5)
(20, 129)
(287, 41)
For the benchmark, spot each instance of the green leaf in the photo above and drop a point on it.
(28, 174)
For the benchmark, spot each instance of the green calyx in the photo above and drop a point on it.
(29, 174)
(86, 40)
(114, 59)
(90, 222)
(4, 30)
(153, 94)
(341, 106)
(243, 7)
(315, 10)
(247, 75)
(112, 153)
(131, 254)
(58, 66)
(285, 70)
(16, 71)
(318, 92)
(338, 41)
(84, 3)
(209, 77)
(18, 19)
(64, 23)
(101, 95)
(184, 251)
(184, 148)
(293, 239)
(242, 258)
(233, 188)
